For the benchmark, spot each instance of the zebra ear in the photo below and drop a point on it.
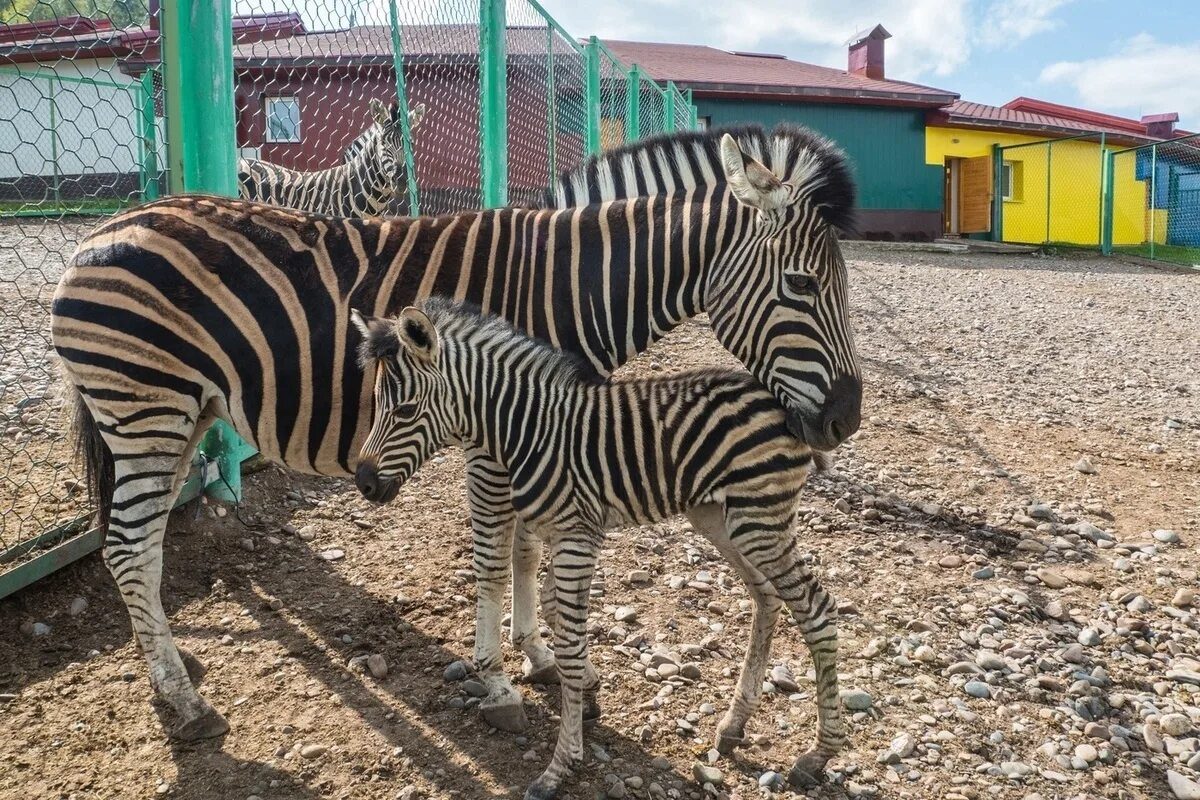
(417, 333)
(380, 339)
(379, 112)
(415, 115)
(752, 183)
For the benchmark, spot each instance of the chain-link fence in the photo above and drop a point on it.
(1155, 208)
(509, 99)
(80, 137)
(1050, 192)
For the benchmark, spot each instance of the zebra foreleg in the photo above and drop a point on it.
(764, 537)
(492, 522)
(731, 732)
(572, 563)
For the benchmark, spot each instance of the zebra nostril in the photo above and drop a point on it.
(367, 481)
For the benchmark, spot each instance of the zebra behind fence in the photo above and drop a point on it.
(190, 309)
(579, 457)
(371, 175)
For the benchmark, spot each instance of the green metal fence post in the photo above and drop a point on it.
(493, 103)
(997, 193)
(149, 139)
(669, 109)
(633, 104)
(202, 155)
(693, 112)
(414, 200)
(54, 144)
(551, 105)
(1106, 234)
(593, 99)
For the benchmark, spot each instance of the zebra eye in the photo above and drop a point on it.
(405, 411)
(800, 283)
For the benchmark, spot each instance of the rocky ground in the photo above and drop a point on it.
(1012, 537)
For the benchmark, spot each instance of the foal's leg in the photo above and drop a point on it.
(539, 659)
(731, 732)
(572, 562)
(152, 446)
(492, 522)
(763, 536)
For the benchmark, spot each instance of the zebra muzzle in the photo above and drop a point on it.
(372, 486)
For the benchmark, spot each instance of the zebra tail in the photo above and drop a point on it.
(97, 460)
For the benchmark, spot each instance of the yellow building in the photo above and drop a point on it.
(1051, 171)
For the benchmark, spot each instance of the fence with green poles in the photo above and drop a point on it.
(103, 112)
(1159, 219)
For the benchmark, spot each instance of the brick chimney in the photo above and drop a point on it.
(866, 53)
(1160, 126)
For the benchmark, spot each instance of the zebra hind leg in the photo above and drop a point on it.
(763, 536)
(148, 473)
(539, 659)
(731, 732)
(492, 523)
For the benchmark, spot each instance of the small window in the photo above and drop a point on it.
(704, 122)
(283, 119)
(1006, 180)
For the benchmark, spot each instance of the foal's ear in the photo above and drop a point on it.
(752, 183)
(379, 112)
(417, 333)
(379, 337)
(415, 115)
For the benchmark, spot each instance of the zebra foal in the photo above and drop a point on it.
(574, 456)
(363, 185)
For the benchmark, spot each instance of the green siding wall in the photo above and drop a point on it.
(886, 145)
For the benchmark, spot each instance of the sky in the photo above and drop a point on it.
(1126, 58)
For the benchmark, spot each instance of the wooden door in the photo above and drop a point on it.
(975, 195)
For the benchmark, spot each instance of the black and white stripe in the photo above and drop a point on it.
(569, 458)
(195, 308)
(371, 175)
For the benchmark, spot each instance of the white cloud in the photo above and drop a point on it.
(1008, 22)
(1144, 76)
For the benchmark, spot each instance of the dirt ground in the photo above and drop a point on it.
(1016, 624)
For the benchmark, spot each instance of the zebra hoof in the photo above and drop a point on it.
(591, 708)
(206, 726)
(510, 718)
(541, 791)
(808, 772)
(547, 675)
(727, 743)
(195, 670)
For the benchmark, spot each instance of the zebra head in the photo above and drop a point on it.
(778, 301)
(381, 147)
(410, 423)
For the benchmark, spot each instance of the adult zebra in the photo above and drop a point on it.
(579, 457)
(191, 309)
(370, 176)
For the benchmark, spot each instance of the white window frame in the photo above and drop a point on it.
(704, 123)
(269, 103)
(1007, 173)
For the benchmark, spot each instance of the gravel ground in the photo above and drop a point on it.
(1012, 537)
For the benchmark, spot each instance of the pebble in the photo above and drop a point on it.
(475, 688)
(625, 614)
(703, 773)
(983, 573)
(1184, 598)
(78, 606)
(989, 660)
(783, 679)
(1089, 637)
(1087, 752)
(856, 699)
(1084, 466)
(1174, 724)
(457, 671)
(1051, 578)
(333, 554)
(1182, 787)
(40, 629)
(377, 666)
(313, 750)
(616, 789)
(638, 576)
(951, 561)
(660, 763)
(1165, 536)
(770, 780)
(978, 689)
(1074, 654)
(903, 745)
(1015, 770)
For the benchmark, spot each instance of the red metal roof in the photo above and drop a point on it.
(1040, 117)
(707, 70)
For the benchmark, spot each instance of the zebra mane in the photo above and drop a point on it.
(466, 322)
(674, 162)
(363, 142)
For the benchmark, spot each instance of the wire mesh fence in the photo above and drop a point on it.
(509, 99)
(1155, 210)
(1050, 192)
(81, 136)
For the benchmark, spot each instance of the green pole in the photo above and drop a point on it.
(410, 168)
(593, 96)
(1049, 146)
(493, 105)
(997, 193)
(669, 127)
(693, 112)
(202, 156)
(149, 139)
(1153, 194)
(54, 144)
(551, 107)
(633, 104)
(1106, 245)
